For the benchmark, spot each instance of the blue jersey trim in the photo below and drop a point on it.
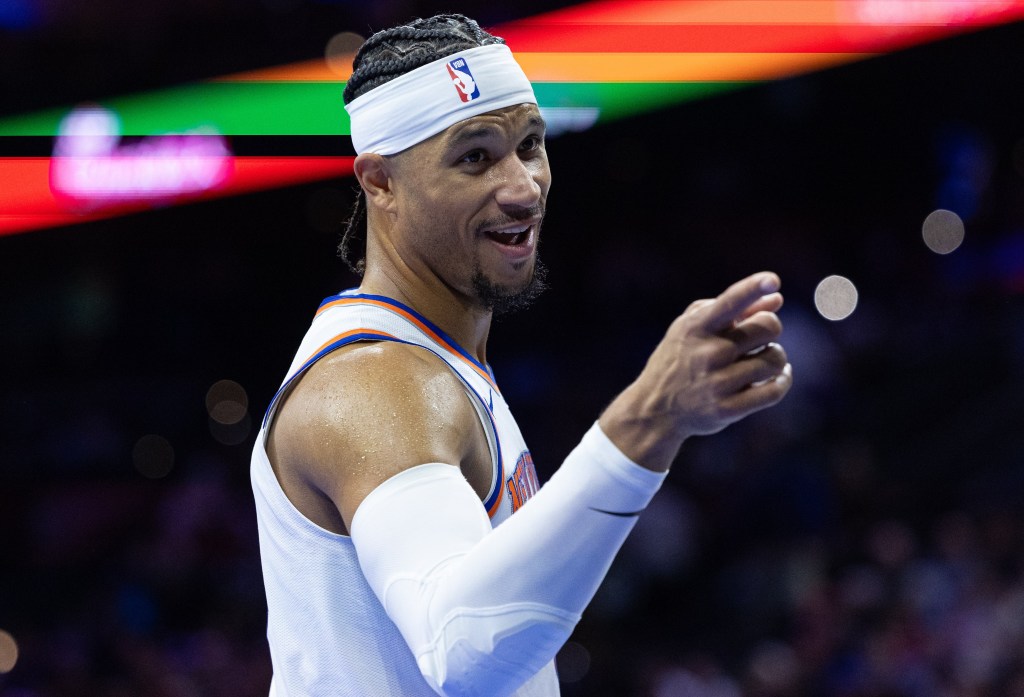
(402, 306)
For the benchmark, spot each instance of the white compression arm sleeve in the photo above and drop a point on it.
(483, 610)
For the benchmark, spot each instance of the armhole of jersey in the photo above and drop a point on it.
(491, 432)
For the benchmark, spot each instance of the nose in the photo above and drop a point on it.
(520, 184)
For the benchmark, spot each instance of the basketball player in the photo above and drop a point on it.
(407, 546)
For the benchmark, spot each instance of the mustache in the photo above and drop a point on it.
(516, 216)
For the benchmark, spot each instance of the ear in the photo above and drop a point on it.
(374, 176)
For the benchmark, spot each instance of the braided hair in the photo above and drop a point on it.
(384, 56)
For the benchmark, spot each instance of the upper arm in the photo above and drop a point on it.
(363, 414)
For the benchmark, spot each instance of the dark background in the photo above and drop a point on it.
(864, 538)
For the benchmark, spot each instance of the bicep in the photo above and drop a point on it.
(361, 416)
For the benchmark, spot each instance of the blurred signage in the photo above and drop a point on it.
(91, 167)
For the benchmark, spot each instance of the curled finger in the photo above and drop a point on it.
(759, 395)
(754, 369)
(755, 332)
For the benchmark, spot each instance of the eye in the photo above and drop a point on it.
(473, 157)
(531, 143)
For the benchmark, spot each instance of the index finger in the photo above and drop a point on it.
(720, 313)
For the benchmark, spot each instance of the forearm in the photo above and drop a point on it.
(483, 610)
(635, 423)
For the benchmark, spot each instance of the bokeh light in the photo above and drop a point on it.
(8, 652)
(943, 231)
(231, 433)
(228, 406)
(153, 456)
(341, 49)
(775, 668)
(227, 402)
(573, 662)
(835, 297)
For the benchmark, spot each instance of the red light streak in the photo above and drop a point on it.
(29, 204)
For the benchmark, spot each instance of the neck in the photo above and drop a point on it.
(456, 314)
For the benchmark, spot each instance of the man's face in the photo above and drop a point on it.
(470, 202)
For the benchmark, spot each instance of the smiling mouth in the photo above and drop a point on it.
(510, 237)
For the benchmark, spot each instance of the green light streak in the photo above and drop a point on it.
(315, 108)
(233, 108)
(617, 100)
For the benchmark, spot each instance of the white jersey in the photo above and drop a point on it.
(329, 635)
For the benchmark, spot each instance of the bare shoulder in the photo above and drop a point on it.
(364, 413)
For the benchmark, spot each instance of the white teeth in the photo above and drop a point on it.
(510, 230)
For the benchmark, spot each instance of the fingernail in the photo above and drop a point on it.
(769, 284)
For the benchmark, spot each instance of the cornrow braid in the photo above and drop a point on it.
(384, 56)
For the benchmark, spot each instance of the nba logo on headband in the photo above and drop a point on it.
(463, 80)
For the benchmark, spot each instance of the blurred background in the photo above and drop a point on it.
(864, 538)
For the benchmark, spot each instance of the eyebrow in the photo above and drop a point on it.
(469, 134)
(537, 121)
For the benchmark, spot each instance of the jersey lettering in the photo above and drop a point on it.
(523, 483)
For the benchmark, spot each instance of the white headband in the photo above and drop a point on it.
(425, 101)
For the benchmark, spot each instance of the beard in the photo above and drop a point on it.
(501, 300)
